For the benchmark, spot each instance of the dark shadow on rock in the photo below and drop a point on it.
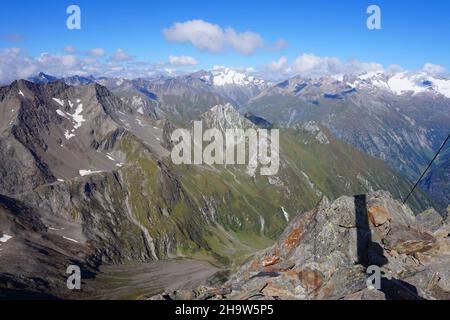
(395, 289)
(266, 274)
(371, 253)
(364, 237)
(376, 255)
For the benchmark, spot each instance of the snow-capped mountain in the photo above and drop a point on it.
(236, 86)
(400, 118)
(404, 83)
(231, 77)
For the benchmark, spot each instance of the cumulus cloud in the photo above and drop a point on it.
(19, 64)
(70, 49)
(316, 66)
(433, 69)
(120, 55)
(278, 65)
(182, 61)
(394, 68)
(212, 38)
(310, 65)
(97, 52)
(281, 44)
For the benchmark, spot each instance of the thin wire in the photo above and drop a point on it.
(423, 174)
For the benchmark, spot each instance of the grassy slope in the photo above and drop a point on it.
(215, 213)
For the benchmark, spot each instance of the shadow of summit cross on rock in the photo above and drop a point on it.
(371, 253)
(364, 236)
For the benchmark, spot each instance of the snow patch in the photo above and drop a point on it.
(62, 114)
(5, 238)
(401, 84)
(87, 172)
(59, 101)
(68, 135)
(73, 240)
(21, 93)
(77, 117)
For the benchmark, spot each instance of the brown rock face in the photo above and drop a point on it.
(270, 261)
(311, 280)
(378, 216)
(294, 238)
(408, 241)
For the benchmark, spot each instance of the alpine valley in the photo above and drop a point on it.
(87, 179)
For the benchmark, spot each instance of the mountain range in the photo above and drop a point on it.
(87, 176)
(403, 117)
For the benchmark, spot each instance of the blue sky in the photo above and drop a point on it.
(413, 32)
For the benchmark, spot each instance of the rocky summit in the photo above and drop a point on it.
(329, 252)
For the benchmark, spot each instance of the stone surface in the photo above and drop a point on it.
(430, 220)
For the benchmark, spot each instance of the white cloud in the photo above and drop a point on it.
(310, 65)
(97, 52)
(182, 61)
(433, 69)
(18, 64)
(120, 55)
(316, 66)
(278, 64)
(245, 42)
(70, 49)
(210, 37)
(394, 68)
(281, 44)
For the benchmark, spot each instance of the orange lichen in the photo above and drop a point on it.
(378, 216)
(312, 280)
(270, 261)
(294, 238)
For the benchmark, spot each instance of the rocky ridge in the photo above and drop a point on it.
(324, 254)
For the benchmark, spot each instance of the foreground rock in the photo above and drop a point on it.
(325, 253)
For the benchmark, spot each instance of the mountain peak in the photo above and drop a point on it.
(221, 76)
(225, 117)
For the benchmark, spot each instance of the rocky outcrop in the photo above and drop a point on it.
(430, 220)
(325, 253)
